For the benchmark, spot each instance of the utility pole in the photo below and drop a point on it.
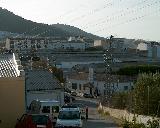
(148, 98)
(108, 60)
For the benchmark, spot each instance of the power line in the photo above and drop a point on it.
(92, 12)
(120, 13)
(128, 21)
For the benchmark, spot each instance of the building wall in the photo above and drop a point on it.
(97, 43)
(142, 46)
(12, 97)
(24, 44)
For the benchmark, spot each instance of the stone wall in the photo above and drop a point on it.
(124, 114)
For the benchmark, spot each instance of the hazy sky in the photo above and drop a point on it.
(138, 19)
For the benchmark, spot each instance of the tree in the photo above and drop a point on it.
(119, 100)
(147, 94)
(58, 73)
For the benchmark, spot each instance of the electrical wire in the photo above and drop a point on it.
(128, 21)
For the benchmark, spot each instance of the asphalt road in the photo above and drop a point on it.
(95, 120)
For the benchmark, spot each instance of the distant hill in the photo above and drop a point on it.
(10, 22)
(75, 31)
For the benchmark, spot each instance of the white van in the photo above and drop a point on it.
(47, 107)
(69, 117)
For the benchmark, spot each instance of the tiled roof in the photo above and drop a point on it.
(7, 68)
(37, 80)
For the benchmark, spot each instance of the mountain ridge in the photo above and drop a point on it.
(15, 24)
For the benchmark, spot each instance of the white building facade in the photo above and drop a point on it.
(45, 43)
(77, 83)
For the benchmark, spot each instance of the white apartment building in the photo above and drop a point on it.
(120, 44)
(46, 43)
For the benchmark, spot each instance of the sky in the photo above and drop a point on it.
(136, 19)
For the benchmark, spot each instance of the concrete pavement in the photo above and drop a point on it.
(95, 120)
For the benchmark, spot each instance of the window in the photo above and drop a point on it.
(74, 86)
(80, 86)
(46, 109)
(132, 87)
(69, 115)
(83, 87)
(125, 88)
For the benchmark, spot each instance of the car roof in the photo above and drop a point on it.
(70, 109)
(31, 114)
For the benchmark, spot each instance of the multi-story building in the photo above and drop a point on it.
(46, 43)
(152, 49)
(117, 44)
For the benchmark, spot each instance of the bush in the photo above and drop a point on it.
(100, 111)
(135, 70)
(133, 124)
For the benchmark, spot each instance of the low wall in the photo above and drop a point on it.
(124, 114)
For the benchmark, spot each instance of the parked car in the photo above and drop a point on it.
(69, 117)
(73, 93)
(34, 121)
(80, 94)
(82, 108)
(86, 95)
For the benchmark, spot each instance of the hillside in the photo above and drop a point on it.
(75, 31)
(15, 24)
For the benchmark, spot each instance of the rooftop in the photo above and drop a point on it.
(8, 66)
(40, 80)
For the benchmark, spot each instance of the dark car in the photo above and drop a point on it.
(34, 121)
(86, 95)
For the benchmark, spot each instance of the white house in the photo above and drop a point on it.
(42, 85)
(152, 49)
(78, 81)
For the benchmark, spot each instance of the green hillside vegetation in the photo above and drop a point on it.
(135, 70)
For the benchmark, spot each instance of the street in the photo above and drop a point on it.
(95, 120)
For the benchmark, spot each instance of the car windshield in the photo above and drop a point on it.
(69, 115)
(40, 119)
